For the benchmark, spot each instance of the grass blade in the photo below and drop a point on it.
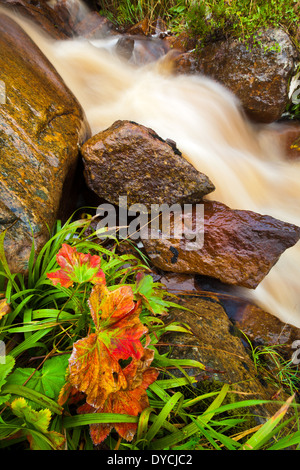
(266, 431)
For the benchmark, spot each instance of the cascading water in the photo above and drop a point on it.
(205, 120)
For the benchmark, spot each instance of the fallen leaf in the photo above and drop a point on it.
(94, 366)
(4, 308)
(76, 267)
(129, 401)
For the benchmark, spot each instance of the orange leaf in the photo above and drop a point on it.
(4, 308)
(94, 371)
(94, 366)
(130, 402)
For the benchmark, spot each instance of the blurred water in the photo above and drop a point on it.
(243, 161)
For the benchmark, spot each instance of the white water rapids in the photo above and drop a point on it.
(205, 121)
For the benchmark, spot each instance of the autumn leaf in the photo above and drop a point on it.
(4, 308)
(76, 267)
(94, 366)
(130, 401)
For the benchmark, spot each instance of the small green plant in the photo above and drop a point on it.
(84, 309)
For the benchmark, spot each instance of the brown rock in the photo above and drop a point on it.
(182, 42)
(215, 343)
(287, 134)
(124, 47)
(41, 126)
(94, 26)
(142, 27)
(128, 159)
(262, 328)
(41, 14)
(240, 247)
(147, 50)
(257, 74)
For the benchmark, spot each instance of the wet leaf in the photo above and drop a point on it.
(4, 308)
(36, 426)
(94, 363)
(131, 401)
(5, 369)
(76, 267)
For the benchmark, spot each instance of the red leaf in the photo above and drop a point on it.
(76, 267)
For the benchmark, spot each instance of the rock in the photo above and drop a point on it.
(258, 74)
(94, 26)
(216, 344)
(70, 12)
(182, 42)
(239, 247)
(178, 283)
(128, 159)
(287, 136)
(141, 28)
(147, 50)
(42, 15)
(263, 329)
(124, 47)
(41, 127)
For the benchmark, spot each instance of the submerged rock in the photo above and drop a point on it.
(239, 247)
(41, 127)
(128, 159)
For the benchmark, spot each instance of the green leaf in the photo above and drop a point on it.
(53, 375)
(5, 369)
(48, 381)
(37, 423)
(192, 428)
(40, 419)
(26, 392)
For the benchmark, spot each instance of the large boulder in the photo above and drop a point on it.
(131, 160)
(41, 128)
(238, 247)
(258, 74)
(40, 13)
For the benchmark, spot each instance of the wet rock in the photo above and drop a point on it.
(42, 15)
(287, 135)
(216, 344)
(263, 329)
(41, 127)
(258, 74)
(124, 47)
(141, 28)
(130, 160)
(147, 50)
(182, 42)
(94, 26)
(178, 283)
(239, 247)
(70, 12)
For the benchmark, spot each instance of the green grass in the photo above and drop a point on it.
(208, 19)
(39, 332)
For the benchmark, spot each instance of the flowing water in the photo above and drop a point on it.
(205, 120)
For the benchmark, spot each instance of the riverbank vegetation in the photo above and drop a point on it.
(83, 309)
(209, 19)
